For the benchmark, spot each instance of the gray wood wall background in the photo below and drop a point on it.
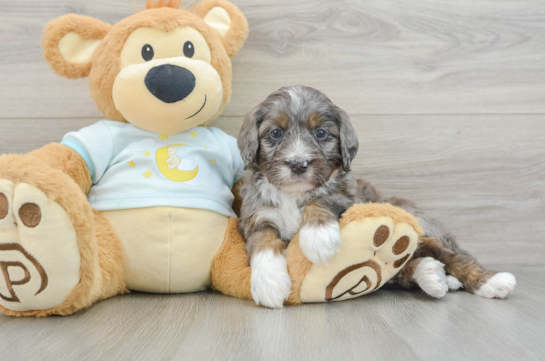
(447, 96)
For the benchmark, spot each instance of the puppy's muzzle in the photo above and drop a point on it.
(298, 167)
(170, 83)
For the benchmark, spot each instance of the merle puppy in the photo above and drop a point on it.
(297, 147)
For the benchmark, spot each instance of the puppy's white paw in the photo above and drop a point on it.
(498, 286)
(430, 276)
(453, 283)
(271, 283)
(320, 242)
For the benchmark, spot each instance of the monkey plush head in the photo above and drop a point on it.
(163, 69)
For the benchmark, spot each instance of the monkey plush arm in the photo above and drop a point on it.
(67, 160)
(83, 155)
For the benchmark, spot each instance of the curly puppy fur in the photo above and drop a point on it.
(297, 178)
(297, 147)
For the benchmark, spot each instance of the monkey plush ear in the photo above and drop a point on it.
(227, 20)
(69, 42)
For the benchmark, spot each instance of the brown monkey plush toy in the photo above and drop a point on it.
(143, 200)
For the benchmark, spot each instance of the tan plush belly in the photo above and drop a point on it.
(167, 249)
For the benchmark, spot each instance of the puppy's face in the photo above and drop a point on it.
(298, 138)
(298, 150)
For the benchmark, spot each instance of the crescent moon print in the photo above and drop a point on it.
(169, 164)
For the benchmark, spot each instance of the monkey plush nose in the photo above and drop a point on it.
(170, 83)
(298, 167)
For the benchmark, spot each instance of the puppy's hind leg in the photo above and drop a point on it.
(427, 273)
(476, 279)
(459, 263)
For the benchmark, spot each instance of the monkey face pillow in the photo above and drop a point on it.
(143, 199)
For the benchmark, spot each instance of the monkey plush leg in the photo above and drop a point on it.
(57, 255)
(230, 273)
(376, 241)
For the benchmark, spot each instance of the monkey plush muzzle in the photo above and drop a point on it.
(168, 95)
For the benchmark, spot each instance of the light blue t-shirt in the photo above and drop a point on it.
(136, 168)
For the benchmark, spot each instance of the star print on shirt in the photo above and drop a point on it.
(131, 164)
(148, 174)
(163, 136)
(146, 154)
(194, 134)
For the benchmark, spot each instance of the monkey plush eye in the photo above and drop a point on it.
(147, 52)
(189, 49)
(321, 134)
(277, 133)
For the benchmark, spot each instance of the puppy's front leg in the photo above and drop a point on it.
(320, 236)
(271, 283)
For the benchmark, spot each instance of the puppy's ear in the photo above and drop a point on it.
(248, 138)
(349, 140)
(227, 20)
(69, 43)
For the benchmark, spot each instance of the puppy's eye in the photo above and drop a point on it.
(147, 52)
(321, 134)
(277, 133)
(189, 49)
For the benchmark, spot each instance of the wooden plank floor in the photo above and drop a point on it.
(448, 100)
(386, 325)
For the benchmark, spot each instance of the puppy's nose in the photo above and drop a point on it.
(298, 167)
(170, 83)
